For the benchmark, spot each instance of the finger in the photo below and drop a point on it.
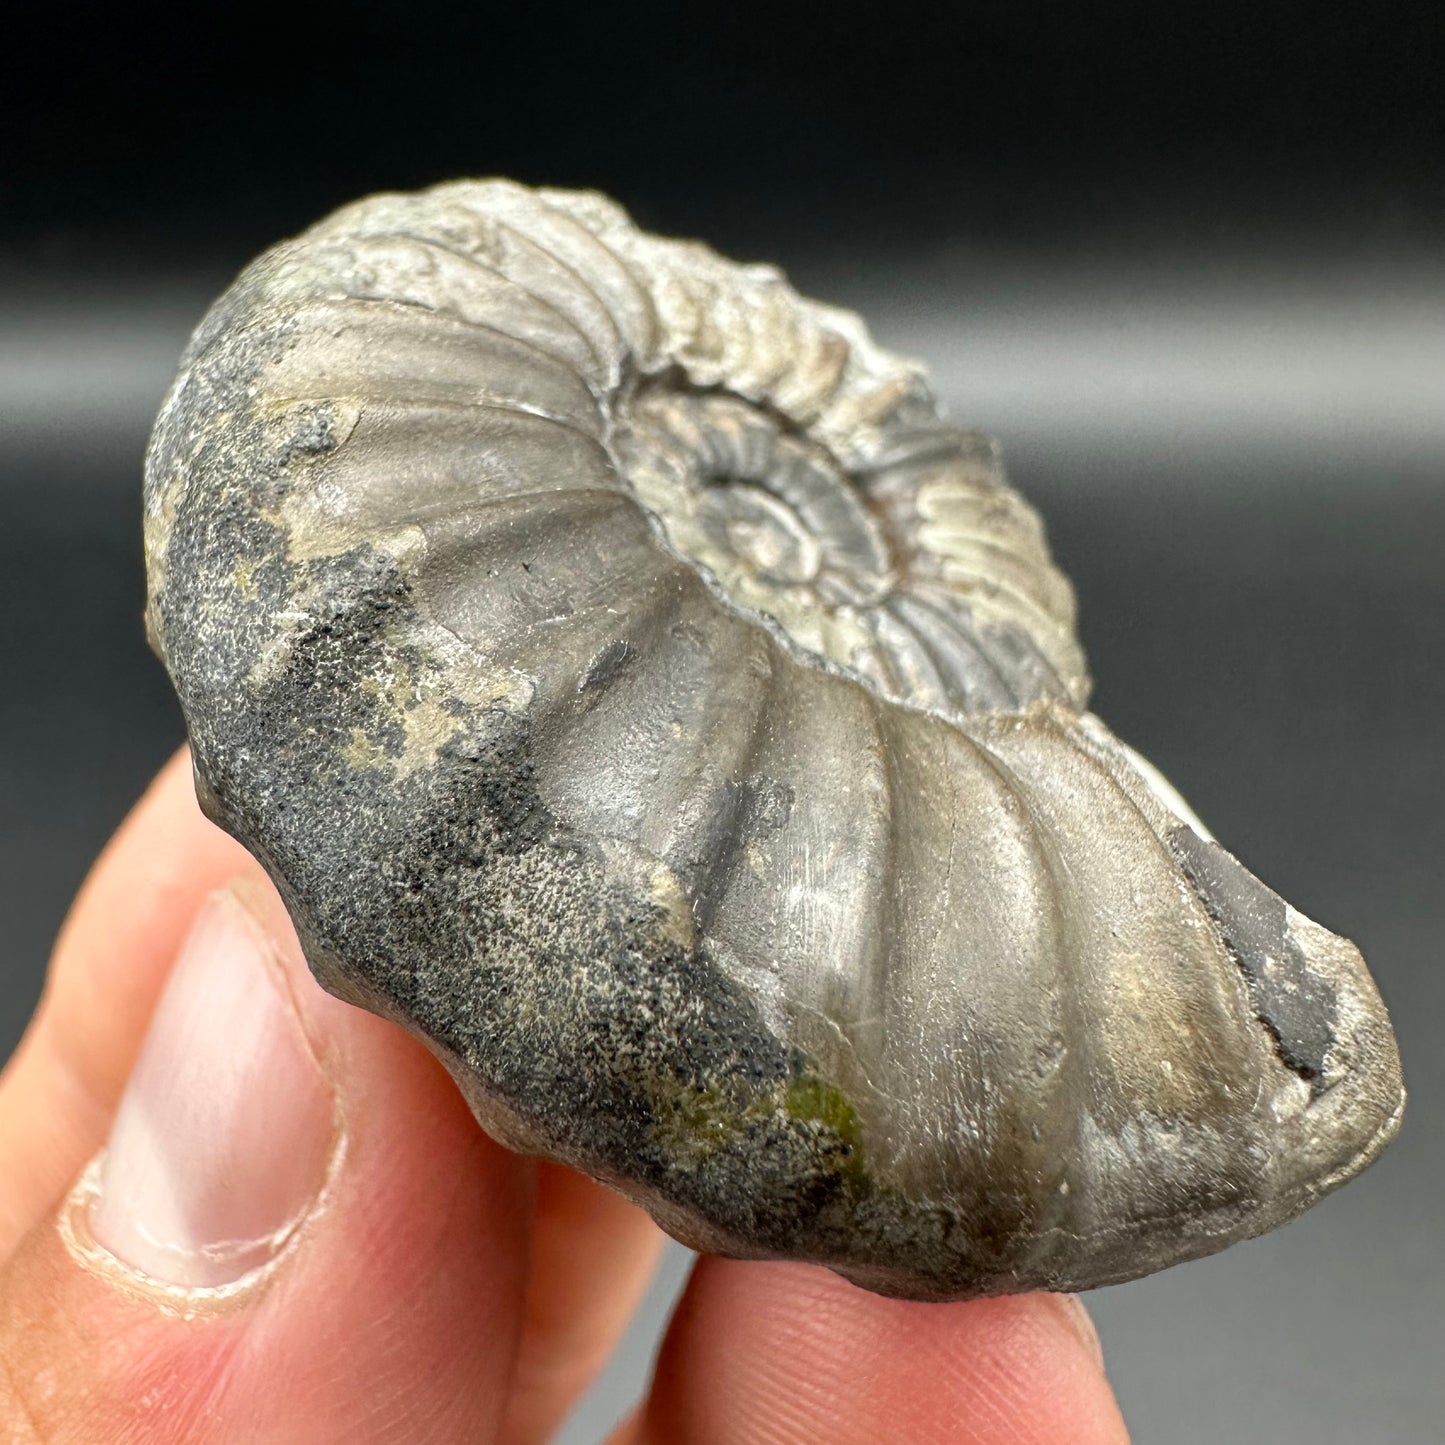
(59, 1090)
(295, 1231)
(593, 1255)
(774, 1353)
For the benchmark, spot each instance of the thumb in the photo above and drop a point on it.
(293, 1233)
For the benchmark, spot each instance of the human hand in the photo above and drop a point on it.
(293, 1231)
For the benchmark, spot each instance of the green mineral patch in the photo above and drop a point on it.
(808, 1098)
(694, 1123)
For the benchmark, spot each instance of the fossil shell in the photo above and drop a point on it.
(637, 690)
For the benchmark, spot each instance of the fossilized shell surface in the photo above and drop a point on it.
(637, 690)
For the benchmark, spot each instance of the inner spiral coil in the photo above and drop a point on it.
(782, 533)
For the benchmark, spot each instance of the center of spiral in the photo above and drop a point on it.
(763, 532)
(767, 516)
(919, 603)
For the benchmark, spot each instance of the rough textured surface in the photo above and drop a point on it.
(639, 692)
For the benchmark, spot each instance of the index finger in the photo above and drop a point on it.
(106, 972)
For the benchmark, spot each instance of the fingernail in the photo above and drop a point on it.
(1079, 1320)
(221, 1143)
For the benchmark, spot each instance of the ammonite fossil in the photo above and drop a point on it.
(638, 691)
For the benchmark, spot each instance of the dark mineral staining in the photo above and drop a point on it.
(1293, 1003)
(608, 665)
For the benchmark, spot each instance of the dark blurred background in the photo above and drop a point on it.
(1184, 260)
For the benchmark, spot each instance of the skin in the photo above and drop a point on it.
(493, 1299)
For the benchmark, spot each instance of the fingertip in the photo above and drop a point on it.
(163, 843)
(1078, 1318)
(110, 961)
(273, 1298)
(116, 944)
(225, 1131)
(801, 1355)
